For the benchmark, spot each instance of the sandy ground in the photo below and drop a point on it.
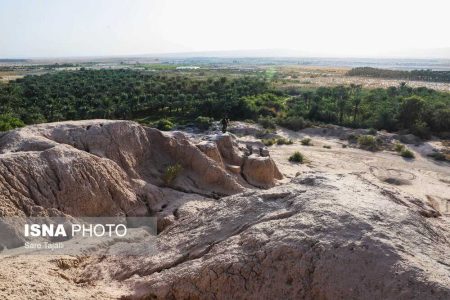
(420, 177)
(316, 77)
(6, 78)
(44, 277)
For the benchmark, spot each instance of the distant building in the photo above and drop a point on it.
(187, 68)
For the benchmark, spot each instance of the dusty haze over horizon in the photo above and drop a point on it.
(349, 28)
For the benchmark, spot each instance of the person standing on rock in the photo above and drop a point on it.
(225, 121)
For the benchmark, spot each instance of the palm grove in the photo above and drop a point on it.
(180, 98)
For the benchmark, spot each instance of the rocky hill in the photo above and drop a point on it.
(105, 168)
(233, 222)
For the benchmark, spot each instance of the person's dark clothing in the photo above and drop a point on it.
(224, 122)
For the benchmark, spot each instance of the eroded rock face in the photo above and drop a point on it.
(260, 171)
(63, 180)
(102, 168)
(252, 164)
(211, 150)
(320, 237)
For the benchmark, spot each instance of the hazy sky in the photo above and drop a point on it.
(47, 28)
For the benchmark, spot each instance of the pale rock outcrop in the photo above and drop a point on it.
(252, 162)
(63, 180)
(211, 150)
(102, 168)
(229, 149)
(260, 171)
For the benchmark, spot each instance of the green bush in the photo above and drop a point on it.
(203, 123)
(279, 141)
(327, 147)
(8, 122)
(421, 130)
(268, 142)
(171, 173)
(367, 142)
(297, 157)
(406, 153)
(372, 131)
(399, 147)
(293, 123)
(306, 142)
(438, 156)
(352, 138)
(267, 123)
(284, 141)
(164, 125)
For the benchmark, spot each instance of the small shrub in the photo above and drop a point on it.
(279, 141)
(372, 131)
(293, 123)
(267, 123)
(268, 142)
(171, 173)
(306, 142)
(438, 156)
(327, 147)
(406, 153)
(297, 157)
(268, 131)
(367, 142)
(421, 130)
(203, 123)
(399, 147)
(352, 138)
(344, 146)
(8, 122)
(284, 141)
(164, 125)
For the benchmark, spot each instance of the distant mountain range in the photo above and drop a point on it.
(438, 53)
(432, 53)
(240, 53)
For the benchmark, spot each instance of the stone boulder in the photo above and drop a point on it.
(260, 171)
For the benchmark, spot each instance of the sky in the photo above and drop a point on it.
(349, 28)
